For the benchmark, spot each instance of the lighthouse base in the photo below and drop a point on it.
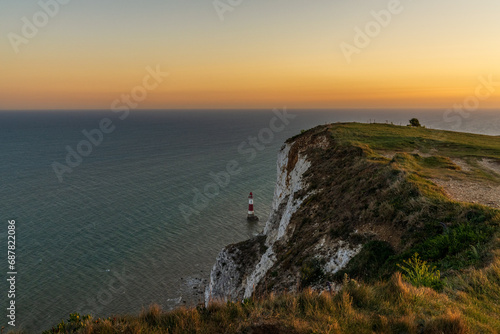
(252, 218)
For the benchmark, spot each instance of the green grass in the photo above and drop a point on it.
(386, 137)
(412, 145)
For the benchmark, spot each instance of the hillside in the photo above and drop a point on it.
(353, 205)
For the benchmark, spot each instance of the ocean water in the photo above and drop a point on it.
(141, 219)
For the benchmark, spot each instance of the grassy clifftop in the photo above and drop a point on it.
(430, 153)
(382, 137)
(392, 192)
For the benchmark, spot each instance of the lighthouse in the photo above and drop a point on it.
(251, 216)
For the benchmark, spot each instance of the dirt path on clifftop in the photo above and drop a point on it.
(473, 192)
(466, 191)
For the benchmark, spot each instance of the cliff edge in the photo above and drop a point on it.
(358, 198)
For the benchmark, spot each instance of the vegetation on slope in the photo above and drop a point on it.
(373, 187)
(449, 234)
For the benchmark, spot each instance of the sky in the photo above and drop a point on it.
(249, 53)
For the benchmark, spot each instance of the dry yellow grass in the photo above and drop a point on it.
(470, 305)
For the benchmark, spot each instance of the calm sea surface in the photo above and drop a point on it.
(128, 226)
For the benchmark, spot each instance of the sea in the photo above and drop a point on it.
(114, 214)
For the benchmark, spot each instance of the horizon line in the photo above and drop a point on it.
(252, 109)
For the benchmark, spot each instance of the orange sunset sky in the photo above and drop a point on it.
(256, 54)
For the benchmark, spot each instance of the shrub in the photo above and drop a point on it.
(75, 323)
(311, 272)
(453, 249)
(415, 122)
(152, 315)
(418, 273)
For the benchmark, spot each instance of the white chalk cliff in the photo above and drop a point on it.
(240, 268)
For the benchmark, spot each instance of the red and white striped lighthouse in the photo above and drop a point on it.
(251, 215)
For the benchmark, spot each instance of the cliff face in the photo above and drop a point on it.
(357, 199)
(237, 272)
(239, 269)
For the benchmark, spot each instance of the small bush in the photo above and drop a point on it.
(311, 272)
(152, 315)
(418, 273)
(75, 323)
(415, 122)
(459, 247)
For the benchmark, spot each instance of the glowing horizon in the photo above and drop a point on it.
(262, 55)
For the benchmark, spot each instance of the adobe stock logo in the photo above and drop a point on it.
(486, 87)
(221, 7)
(95, 137)
(372, 29)
(31, 28)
